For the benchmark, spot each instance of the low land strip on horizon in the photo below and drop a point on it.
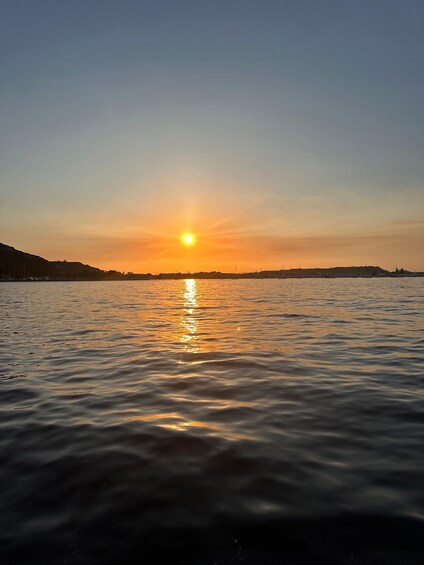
(17, 265)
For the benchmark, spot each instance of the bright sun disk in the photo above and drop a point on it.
(188, 239)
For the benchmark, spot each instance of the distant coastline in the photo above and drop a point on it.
(17, 265)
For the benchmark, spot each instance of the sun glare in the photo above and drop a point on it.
(188, 239)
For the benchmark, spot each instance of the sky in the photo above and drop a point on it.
(281, 133)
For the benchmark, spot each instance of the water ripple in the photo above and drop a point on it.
(206, 422)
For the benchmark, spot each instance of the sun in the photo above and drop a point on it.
(188, 239)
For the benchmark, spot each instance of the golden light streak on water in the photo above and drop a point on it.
(189, 322)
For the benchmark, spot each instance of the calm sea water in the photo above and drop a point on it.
(202, 422)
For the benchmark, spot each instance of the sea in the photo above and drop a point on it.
(212, 422)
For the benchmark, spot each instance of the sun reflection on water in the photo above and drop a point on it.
(189, 322)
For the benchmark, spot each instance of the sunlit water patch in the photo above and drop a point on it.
(202, 422)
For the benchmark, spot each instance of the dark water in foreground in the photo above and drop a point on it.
(202, 422)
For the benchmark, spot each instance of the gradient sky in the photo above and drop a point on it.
(280, 132)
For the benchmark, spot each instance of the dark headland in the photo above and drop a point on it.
(17, 265)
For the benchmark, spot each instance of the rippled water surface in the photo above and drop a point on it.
(202, 422)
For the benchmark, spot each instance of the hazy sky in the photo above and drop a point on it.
(281, 133)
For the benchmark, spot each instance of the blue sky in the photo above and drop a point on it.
(292, 131)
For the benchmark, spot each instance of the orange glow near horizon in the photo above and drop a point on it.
(192, 240)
